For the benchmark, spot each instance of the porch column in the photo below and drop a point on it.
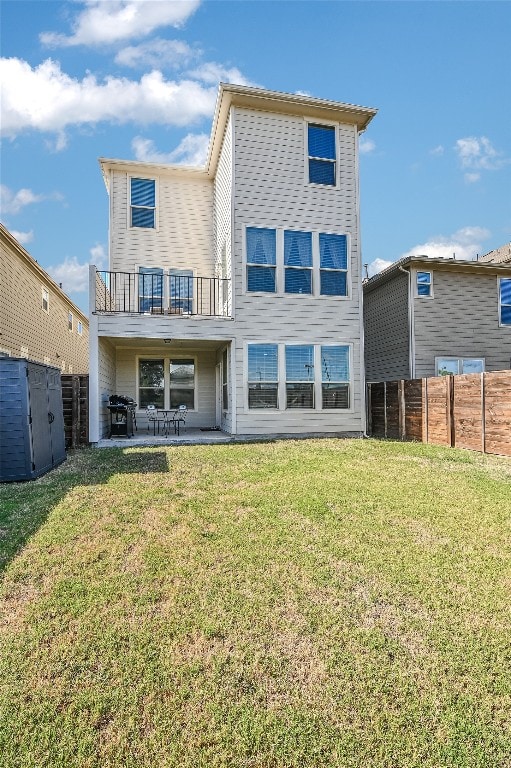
(93, 360)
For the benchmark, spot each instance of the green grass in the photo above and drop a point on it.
(298, 604)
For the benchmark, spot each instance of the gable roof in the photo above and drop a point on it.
(499, 255)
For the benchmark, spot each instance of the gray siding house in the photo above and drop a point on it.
(236, 288)
(429, 317)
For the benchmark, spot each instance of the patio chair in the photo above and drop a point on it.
(154, 418)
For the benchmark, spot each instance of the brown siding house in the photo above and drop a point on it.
(37, 320)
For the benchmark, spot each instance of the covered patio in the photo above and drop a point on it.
(188, 436)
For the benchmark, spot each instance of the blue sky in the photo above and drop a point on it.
(138, 80)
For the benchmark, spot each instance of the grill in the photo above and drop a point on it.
(122, 415)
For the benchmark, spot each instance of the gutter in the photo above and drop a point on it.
(411, 323)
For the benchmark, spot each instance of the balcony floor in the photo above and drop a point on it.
(188, 436)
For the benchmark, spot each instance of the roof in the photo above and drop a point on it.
(499, 255)
(446, 265)
(10, 240)
(254, 98)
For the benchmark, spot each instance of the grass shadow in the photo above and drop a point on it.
(24, 507)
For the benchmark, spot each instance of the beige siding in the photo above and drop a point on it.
(386, 331)
(26, 329)
(107, 383)
(184, 237)
(461, 320)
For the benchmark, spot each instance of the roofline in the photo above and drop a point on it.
(288, 103)
(449, 265)
(136, 166)
(11, 240)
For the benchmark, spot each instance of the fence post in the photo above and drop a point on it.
(483, 412)
(451, 430)
(75, 411)
(401, 409)
(425, 435)
(369, 428)
(385, 408)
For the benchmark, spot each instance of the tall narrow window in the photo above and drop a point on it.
(298, 262)
(80, 328)
(333, 264)
(143, 203)
(300, 376)
(150, 290)
(150, 383)
(70, 321)
(45, 299)
(225, 390)
(424, 283)
(181, 291)
(261, 259)
(335, 377)
(505, 300)
(322, 156)
(182, 383)
(263, 376)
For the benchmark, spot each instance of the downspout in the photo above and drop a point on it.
(411, 335)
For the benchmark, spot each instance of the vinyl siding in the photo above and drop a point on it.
(184, 237)
(107, 383)
(29, 331)
(271, 191)
(386, 331)
(460, 321)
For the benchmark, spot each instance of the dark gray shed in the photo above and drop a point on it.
(32, 437)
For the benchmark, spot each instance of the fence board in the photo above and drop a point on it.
(468, 411)
(438, 426)
(75, 401)
(412, 392)
(497, 412)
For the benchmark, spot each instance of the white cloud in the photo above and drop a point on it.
(12, 202)
(476, 154)
(437, 151)
(212, 73)
(471, 178)
(47, 99)
(366, 146)
(22, 237)
(192, 150)
(378, 265)
(466, 243)
(109, 21)
(73, 274)
(157, 54)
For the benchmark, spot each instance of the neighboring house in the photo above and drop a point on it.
(236, 288)
(500, 255)
(37, 320)
(427, 317)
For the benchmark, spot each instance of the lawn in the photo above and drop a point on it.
(301, 604)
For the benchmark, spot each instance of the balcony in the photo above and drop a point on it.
(153, 292)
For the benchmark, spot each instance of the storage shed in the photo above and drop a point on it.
(31, 419)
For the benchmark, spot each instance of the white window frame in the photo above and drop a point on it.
(327, 124)
(79, 328)
(70, 321)
(459, 361)
(167, 357)
(426, 272)
(501, 324)
(281, 381)
(4, 352)
(280, 268)
(156, 180)
(45, 297)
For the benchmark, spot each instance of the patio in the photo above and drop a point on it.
(188, 436)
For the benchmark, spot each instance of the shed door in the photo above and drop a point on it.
(42, 455)
(57, 432)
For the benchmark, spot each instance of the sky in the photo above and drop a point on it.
(137, 79)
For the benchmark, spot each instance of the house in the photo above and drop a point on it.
(428, 316)
(236, 288)
(500, 255)
(37, 320)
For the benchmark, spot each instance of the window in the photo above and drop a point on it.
(335, 377)
(333, 265)
(150, 290)
(424, 283)
(79, 328)
(321, 151)
(45, 299)
(452, 366)
(151, 383)
(505, 301)
(261, 259)
(297, 262)
(263, 376)
(300, 376)
(143, 203)
(70, 321)
(182, 383)
(181, 291)
(225, 389)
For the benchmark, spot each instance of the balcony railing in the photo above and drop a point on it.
(152, 293)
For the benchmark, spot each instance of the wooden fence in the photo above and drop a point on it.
(75, 399)
(469, 411)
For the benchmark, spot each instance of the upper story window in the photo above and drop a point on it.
(70, 321)
(181, 291)
(297, 262)
(150, 290)
(143, 203)
(45, 299)
(333, 265)
(322, 154)
(79, 328)
(424, 284)
(505, 300)
(261, 259)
